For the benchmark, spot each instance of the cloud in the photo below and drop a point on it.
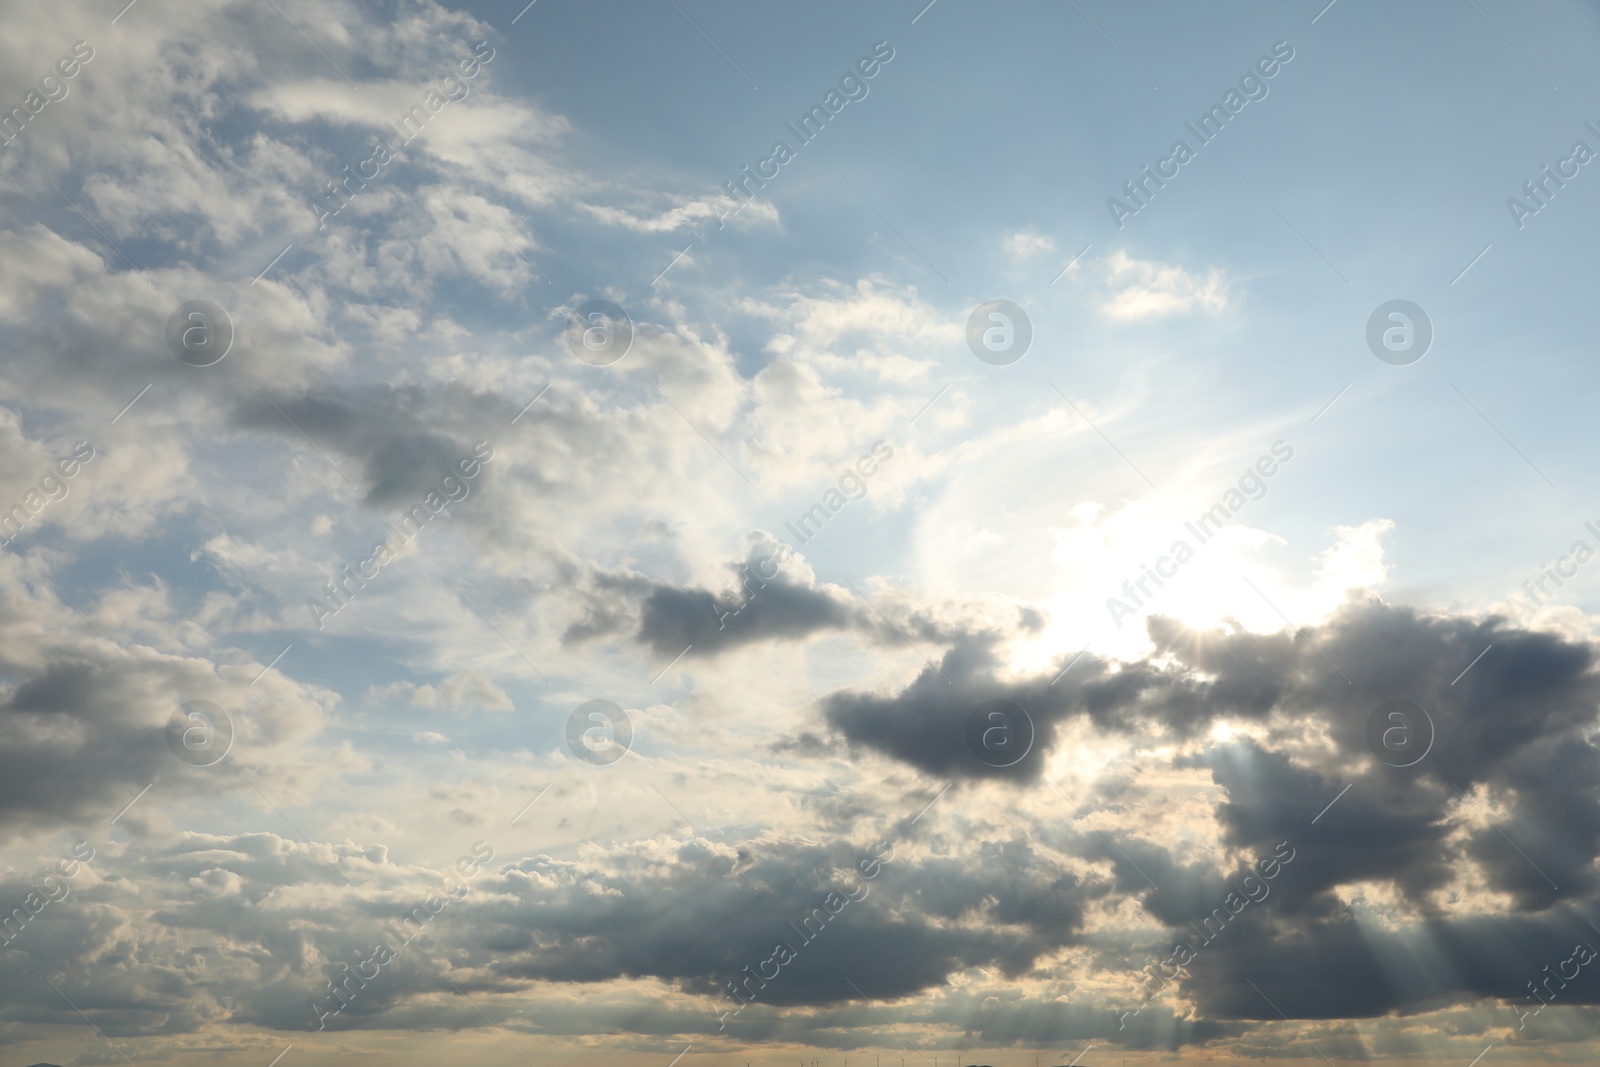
(1424, 827)
(996, 875)
(1026, 244)
(1145, 289)
(611, 533)
(466, 690)
(771, 609)
(686, 213)
(84, 718)
(870, 327)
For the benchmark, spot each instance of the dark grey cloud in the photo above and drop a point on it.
(388, 446)
(1509, 785)
(84, 721)
(1335, 676)
(1366, 968)
(672, 618)
(699, 925)
(767, 597)
(762, 601)
(685, 917)
(46, 777)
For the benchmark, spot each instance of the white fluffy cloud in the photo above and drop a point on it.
(1144, 289)
(1026, 244)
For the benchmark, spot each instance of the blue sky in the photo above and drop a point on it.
(784, 728)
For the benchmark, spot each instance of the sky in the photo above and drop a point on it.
(687, 532)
